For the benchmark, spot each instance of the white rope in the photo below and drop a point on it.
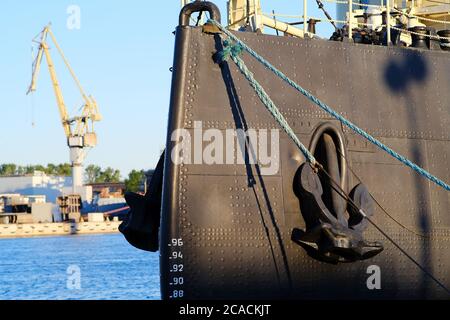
(356, 3)
(428, 19)
(408, 15)
(281, 15)
(270, 15)
(364, 24)
(383, 7)
(337, 1)
(420, 34)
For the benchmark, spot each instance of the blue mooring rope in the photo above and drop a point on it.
(234, 50)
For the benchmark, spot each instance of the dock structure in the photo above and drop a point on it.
(57, 229)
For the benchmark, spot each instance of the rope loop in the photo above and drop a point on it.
(230, 48)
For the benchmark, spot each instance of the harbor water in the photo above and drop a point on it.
(97, 267)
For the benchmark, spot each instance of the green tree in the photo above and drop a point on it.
(64, 169)
(110, 176)
(51, 169)
(21, 170)
(8, 169)
(92, 173)
(95, 174)
(40, 168)
(29, 169)
(134, 181)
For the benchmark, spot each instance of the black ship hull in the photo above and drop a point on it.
(228, 230)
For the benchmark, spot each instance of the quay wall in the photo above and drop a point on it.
(57, 229)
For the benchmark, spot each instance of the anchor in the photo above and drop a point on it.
(329, 238)
(329, 235)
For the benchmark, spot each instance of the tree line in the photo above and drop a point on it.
(95, 174)
(11, 169)
(92, 173)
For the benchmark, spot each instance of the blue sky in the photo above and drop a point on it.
(121, 54)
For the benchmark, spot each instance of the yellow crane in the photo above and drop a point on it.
(79, 130)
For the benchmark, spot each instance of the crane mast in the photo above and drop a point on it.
(79, 130)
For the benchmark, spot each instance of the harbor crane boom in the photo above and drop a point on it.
(79, 130)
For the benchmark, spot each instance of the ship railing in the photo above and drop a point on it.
(351, 20)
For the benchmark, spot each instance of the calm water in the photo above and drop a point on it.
(46, 268)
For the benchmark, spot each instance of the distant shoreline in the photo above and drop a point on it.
(11, 231)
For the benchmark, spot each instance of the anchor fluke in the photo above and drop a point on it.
(326, 237)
